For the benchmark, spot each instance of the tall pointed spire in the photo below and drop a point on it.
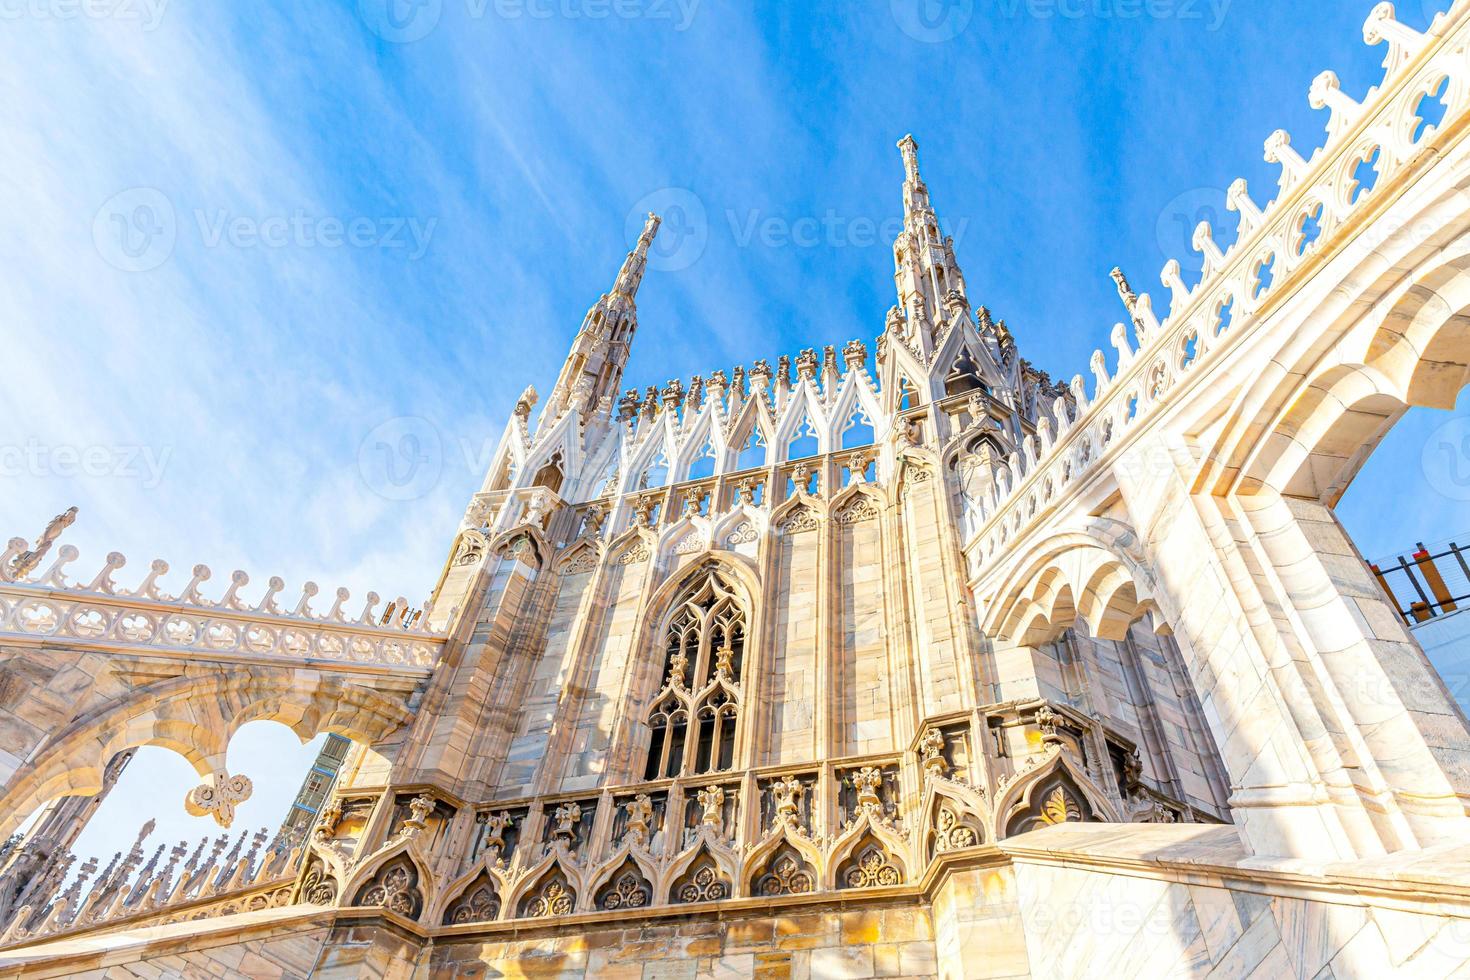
(927, 277)
(630, 276)
(594, 367)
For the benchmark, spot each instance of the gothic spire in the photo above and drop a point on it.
(594, 367)
(930, 286)
(630, 276)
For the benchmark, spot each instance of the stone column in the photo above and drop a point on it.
(1274, 635)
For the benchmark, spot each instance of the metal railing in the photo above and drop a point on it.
(1424, 586)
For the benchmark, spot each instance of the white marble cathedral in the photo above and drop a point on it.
(898, 660)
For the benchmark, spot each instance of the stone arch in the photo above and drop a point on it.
(626, 886)
(859, 502)
(552, 893)
(701, 877)
(801, 513)
(395, 881)
(526, 542)
(788, 870)
(1089, 575)
(1326, 434)
(1400, 339)
(869, 863)
(319, 886)
(196, 716)
(477, 900)
(1056, 791)
(950, 825)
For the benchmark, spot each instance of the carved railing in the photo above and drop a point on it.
(102, 614)
(34, 905)
(769, 834)
(1386, 135)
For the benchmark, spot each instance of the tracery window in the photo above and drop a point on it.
(694, 714)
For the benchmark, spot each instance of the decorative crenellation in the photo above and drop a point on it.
(103, 613)
(1368, 146)
(34, 906)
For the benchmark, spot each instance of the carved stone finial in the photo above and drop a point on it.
(931, 753)
(25, 562)
(218, 796)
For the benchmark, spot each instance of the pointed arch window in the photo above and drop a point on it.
(695, 715)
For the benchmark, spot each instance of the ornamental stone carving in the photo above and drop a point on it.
(640, 815)
(786, 874)
(870, 867)
(479, 903)
(745, 533)
(786, 793)
(553, 897)
(711, 805)
(394, 887)
(931, 753)
(218, 797)
(701, 883)
(628, 889)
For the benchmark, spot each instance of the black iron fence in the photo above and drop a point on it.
(1425, 586)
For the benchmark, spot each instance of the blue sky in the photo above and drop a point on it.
(347, 223)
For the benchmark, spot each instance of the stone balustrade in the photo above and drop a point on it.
(100, 614)
(1321, 201)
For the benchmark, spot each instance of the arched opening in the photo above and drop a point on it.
(550, 476)
(694, 718)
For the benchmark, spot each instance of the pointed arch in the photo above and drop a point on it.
(394, 879)
(1055, 791)
(549, 888)
(627, 885)
(701, 874)
(951, 822)
(475, 900)
(693, 721)
(751, 438)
